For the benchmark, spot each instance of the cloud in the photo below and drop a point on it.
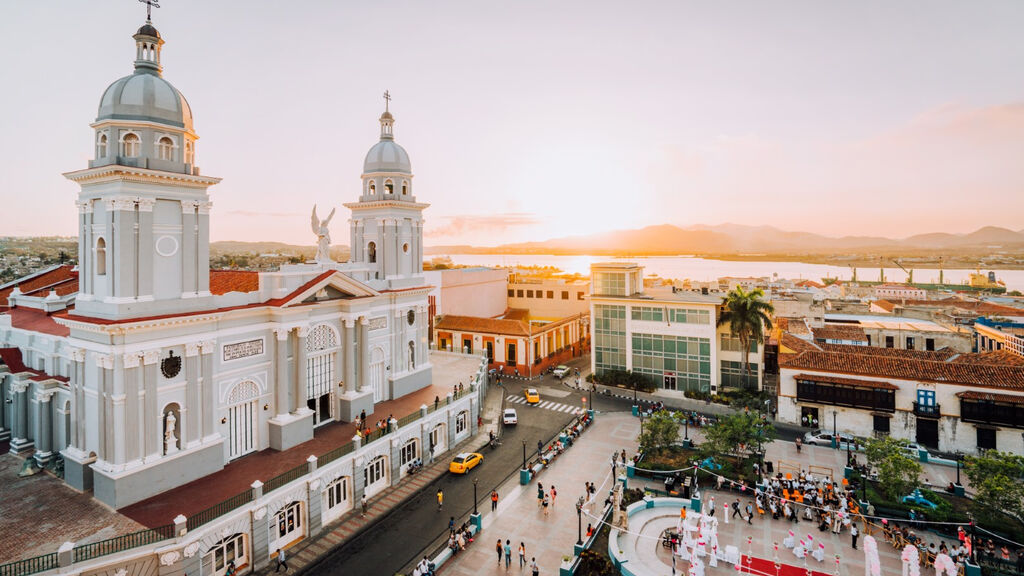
(454, 226)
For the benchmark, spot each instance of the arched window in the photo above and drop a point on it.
(188, 153)
(410, 451)
(461, 419)
(405, 188)
(371, 252)
(372, 188)
(101, 257)
(375, 476)
(130, 145)
(165, 148)
(228, 551)
(287, 526)
(389, 187)
(101, 146)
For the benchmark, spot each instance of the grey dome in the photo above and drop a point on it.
(387, 156)
(148, 97)
(148, 30)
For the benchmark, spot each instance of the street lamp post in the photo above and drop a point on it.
(835, 430)
(848, 455)
(958, 457)
(474, 496)
(686, 426)
(524, 454)
(579, 521)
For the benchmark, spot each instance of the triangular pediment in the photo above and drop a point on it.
(336, 286)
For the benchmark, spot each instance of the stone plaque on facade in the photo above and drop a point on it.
(243, 349)
(378, 323)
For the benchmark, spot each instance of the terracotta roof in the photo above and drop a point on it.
(796, 326)
(809, 284)
(225, 281)
(69, 286)
(39, 281)
(884, 305)
(516, 314)
(991, 397)
(483, 325)
(797, 344)
(11, 357)
(847, 381)
(840, 332)
(35, 321)
(941, 355)
(909, 368)
(977, 307)
(996, 357)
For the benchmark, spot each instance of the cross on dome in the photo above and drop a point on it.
(387, 100)
(150, 4)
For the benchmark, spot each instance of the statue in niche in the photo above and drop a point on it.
(323, 236)
(170, 440)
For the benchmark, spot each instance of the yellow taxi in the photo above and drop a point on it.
(532, 396)
(465, 462)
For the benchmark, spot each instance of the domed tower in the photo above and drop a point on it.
(387, 222)
(143, 230)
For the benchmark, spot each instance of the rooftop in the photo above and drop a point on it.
(851, 332)
(886, 322)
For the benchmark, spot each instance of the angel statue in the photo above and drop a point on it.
(323, 237)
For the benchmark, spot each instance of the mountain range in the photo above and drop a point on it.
(740, 239)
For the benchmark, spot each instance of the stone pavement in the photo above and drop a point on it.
(39, 513)
(520, 519)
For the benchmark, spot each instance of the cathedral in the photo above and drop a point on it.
(145, 369)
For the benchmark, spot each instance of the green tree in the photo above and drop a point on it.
(735, 434)
(748, 318)
(898, 473)
(660, 431)
(998, 481)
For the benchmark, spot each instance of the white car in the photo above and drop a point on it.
(510, 417)
(561, 371)
(823, 438)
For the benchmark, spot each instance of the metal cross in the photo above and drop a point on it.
(150, 4)
(387, 95)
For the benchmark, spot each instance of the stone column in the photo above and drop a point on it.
(77, 439)
(281, 372)
(44, 422)
(131, 407)
(193, 400)
(208, 386)
(105, 362)
(203, 248)
(422, 341)
(189, 245)
(85, 254)
(364, 353)
(151, 416)
(300, 389)
(116, 416)
(5, 426)
(145, 248)
(348, 334)
(19, 414)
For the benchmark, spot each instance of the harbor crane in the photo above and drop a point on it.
(910, 273)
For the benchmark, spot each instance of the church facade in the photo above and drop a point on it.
(147, 370)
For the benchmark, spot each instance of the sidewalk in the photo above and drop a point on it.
(519, 518)
(306, 552)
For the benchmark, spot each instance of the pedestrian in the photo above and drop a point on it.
(362, 417)
(553, 494)
(508, 554)
(534, 570)
(231, 569)
(280, 561)
(540, 447)
(499, 550)
(540, 494)
(362, 503)
(451, 524)
(437, 400)
(623, 456)
(440, 498)
(494, 500)
(736, 509)
(546, 505)
(522, 555)
(750, 512)
(853, 534)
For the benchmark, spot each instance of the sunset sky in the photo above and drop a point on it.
(529, 120)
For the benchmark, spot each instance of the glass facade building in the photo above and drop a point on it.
(673, 362)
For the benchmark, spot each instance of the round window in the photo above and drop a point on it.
(411, 317)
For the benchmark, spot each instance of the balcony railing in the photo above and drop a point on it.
(927, 410)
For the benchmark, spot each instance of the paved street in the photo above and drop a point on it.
(417, 523)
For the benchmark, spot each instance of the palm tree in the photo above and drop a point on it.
(748, 317)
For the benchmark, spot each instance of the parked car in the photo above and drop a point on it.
(822, 438)
(532, 396)
(510, 417)
(561, 371)
(465, 462)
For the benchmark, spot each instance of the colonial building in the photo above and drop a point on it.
(148, 370)
(946, 400)
(669, 335)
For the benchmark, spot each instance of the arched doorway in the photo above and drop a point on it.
(438, 439)
(243, 418)
(321, 352)
(375, 476)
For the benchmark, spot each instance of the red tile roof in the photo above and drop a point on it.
(991, 397)
(996, 357)
(797, 344)
(40, 280)
(840, 332)
(847, 381)
(483, 325)
(36, 321)
(12, 358)
(225, 281)
(884, 305)
(940, 355)
(971, 306)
